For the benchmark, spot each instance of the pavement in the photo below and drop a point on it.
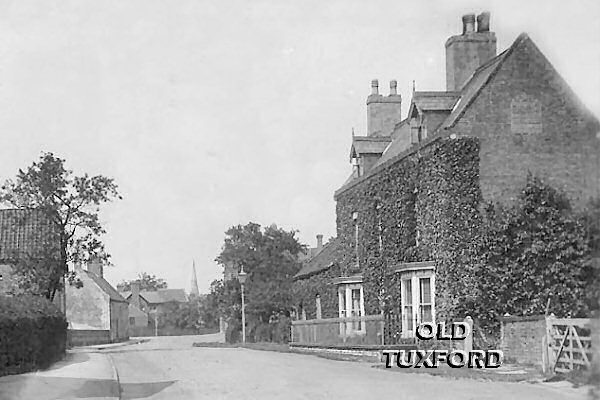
(81, 375)
(87, 372)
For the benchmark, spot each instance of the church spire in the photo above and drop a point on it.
(194, 284)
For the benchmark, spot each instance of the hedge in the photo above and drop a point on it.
(33, 334)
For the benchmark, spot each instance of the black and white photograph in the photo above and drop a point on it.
(272, 199)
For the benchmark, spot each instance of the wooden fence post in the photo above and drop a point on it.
(594, 327)
(468, 343)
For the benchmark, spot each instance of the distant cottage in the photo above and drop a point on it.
(400, 213)
(96, 312)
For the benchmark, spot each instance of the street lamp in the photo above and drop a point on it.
(242, 279)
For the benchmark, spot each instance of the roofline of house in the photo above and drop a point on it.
(379, 168)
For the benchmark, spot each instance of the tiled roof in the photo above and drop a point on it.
(162, 296)
(369, 144)
(320, 262)
(106, 287)
(24, 233)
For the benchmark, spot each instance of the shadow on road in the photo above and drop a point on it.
(143, 390)
(18, 387)
(70, 359)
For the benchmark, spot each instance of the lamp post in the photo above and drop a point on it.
(242, 279)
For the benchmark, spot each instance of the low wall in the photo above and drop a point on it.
(522, 339)
(364, 330)
(80, 337)
(371, 353)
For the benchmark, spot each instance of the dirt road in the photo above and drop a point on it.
(169, 368)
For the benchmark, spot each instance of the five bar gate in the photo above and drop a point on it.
(569, 344)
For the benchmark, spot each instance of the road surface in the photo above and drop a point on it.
(169, 368)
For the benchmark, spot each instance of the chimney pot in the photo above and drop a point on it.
(393, 87)
(468, 21)
(483, 22)
(374, 86)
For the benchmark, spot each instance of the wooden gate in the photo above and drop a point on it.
(569, 344)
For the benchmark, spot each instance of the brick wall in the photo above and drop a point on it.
(529, 120)
(521, 339)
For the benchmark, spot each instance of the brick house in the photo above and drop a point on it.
(154, 302)
(400, 215)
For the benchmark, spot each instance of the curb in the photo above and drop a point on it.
(117, 345)
(115, 374)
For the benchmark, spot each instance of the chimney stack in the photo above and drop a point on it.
(135, 293)
(383, 112)
(95, 267)
(466, 52)
(319, 242)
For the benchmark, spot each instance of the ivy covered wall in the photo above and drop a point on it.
(305, 292)
(433, 191)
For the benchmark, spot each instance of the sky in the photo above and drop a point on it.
(210, 114)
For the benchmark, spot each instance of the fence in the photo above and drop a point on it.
(569, 344)
(364, 330)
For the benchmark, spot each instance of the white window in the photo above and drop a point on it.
(351, 304)
(417, 291)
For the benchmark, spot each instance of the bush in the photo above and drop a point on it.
(33, 334)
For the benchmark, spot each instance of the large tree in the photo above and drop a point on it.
(71, 203)
(148, 282)
(270, 257)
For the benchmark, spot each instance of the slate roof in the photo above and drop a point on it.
(320, 262)
(161, 296)
(477, 82)
(369, 144)
(435, 101)
(23, 233)
(454, 102)
(105, 287)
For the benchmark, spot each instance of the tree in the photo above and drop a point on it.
(72, 204)
(534, 254)
(147, 282)
(270, 257)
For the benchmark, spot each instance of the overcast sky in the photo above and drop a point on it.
(215, 113)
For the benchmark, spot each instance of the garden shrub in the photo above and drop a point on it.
(33, 334)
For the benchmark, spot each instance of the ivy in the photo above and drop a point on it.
(433, 191)
(489, 259)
